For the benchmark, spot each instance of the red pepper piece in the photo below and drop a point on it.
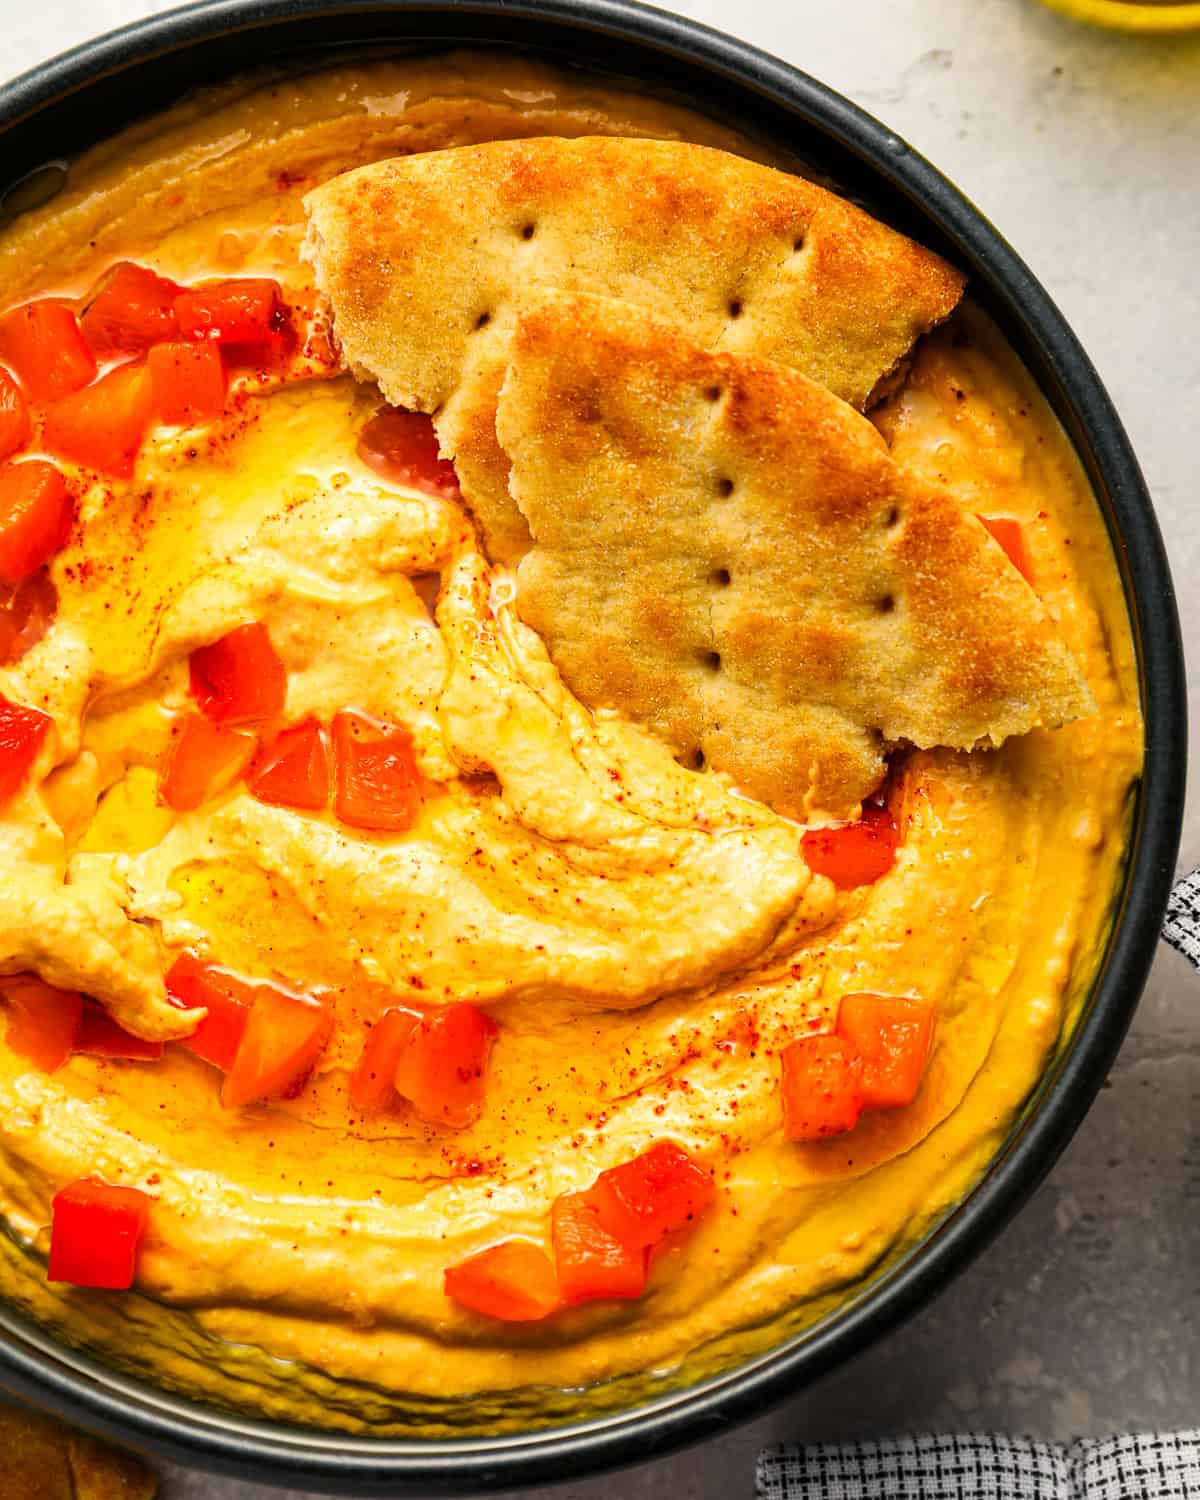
(134, 308)
(403, 447)
(854, 854)
(188, 382)
(592, 1262)
(659, 1191)
(443, 1062)
(192, 983)
(25, 616)
(293, 770)
(95, 1233)
(377, 785)
(22, 734)
(514, 1281)
(1011, 536)
(43, 344)
(36, 511)
(14, 416)
(822, 1095)
(43, 1022)
(373, 1082)
(245, 311)
(203, 760)
(239, 679)
(103, 427)
(892, 1034)
(284, 1036)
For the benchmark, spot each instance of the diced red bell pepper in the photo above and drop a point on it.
(892, 1035)
(854, 854)
(104, 426)
(95, 1232)
(100, 1036)
(514, 1281)
(591, 1261)
(36, 511)
(443, 1062)
(240, 678)
(43, 344)
(22, 734)
(284, 1036)
(1011, 536)
(188, 381)
(43, 1022)
(204, 758)
(262, 362)
(14, 416)
(246, 311)
(25, 616)
(822, 1095)
(377, 785)
(191, 983)
(403, 447)
(373, 1082)
(293, 770)
(134, 308)
(656, 1193)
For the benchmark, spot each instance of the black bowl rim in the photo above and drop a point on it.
(75, 1386)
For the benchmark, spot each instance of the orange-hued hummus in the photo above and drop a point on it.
(646, 939)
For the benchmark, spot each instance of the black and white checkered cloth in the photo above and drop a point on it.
(1182, 927)
(1154, 1466)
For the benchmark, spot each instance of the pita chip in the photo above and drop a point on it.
(424, 258)
(41, 1459)
(726, 553)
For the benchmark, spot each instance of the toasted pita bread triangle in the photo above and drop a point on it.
(423, 258)
(41, 1459)
(727, 553)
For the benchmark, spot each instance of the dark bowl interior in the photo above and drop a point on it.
(69, 103)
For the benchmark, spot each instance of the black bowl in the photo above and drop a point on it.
(68, 103)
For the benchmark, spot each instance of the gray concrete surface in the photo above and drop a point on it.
(1084, 148)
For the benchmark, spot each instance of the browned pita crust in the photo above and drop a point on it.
(42, 1460)
(422, 258)
(727, 553)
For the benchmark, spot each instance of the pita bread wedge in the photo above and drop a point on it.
(41, 1459)
(423, 257)
(726, 553)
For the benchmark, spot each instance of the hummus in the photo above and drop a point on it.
(646, 939)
